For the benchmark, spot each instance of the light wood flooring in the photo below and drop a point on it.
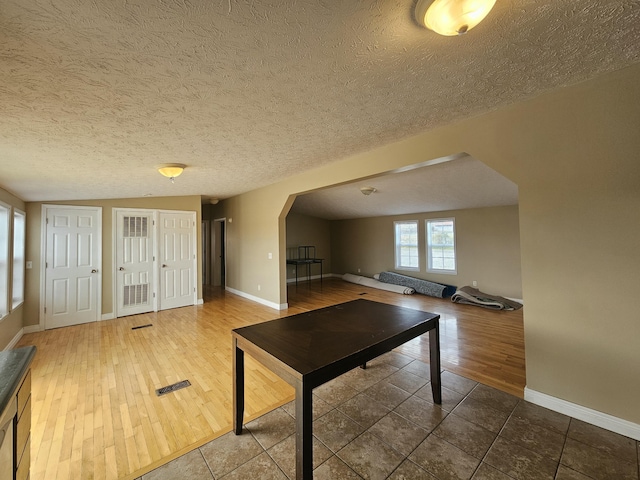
(95, 414)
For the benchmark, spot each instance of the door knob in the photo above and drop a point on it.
(94, 271)
(164, 265)
(121, 269)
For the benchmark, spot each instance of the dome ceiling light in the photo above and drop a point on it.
(452, 17)
(171, 170)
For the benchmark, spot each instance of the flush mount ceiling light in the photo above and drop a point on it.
(171, 170)
(367, 190)
(452, 17)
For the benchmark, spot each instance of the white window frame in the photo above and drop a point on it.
(430, 247)
(5, 240)
(19, 257)
(399, 245)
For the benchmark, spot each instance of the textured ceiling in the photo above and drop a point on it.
(93, 94)
(452, 185)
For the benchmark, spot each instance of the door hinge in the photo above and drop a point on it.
(45, 309)
(154, 294)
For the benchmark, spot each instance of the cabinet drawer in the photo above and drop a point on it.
(22, 430)
(22, 472)
(24, 392)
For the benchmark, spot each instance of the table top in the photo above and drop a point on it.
(308, 342)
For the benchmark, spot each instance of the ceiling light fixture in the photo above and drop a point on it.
(367, 190)
(452, 17)
(171, 170)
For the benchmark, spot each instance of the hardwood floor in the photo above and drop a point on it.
(95, 413)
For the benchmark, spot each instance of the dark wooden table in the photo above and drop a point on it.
(309, 349)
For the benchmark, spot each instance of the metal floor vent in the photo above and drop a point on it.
(172, 388)
(142, 326)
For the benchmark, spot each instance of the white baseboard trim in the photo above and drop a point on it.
(32, 328)
(200, 301)
(262, 301)
(594, 417)
(15, 339)
(305, 279)
(108, 316)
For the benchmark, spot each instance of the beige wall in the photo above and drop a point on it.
(12, 323)
(487, 248)
(306, 230)
(574, 155)
(212, 212)
(34, 247)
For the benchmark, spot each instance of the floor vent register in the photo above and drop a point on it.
(142, 326)
(172, 388)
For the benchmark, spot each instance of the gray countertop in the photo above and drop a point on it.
(13, 365)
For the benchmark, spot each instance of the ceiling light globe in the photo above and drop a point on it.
(171, 170)
(452, 17)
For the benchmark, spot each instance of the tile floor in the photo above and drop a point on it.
(381, 423)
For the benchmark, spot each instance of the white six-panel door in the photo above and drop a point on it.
(72, 279)
(177, 259)
(135, 279)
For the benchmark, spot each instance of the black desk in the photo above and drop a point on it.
(309, 349)
(307, 257)
(308, 262)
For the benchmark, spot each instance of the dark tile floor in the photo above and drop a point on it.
(381, 423)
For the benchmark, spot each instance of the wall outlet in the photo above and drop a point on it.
(358, 270)
(259, 287)
(29, 264)
(475, 284)
(270, 255)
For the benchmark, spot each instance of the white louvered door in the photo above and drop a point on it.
(134, 262)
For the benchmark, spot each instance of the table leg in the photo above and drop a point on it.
(434, 356)
(304, 432)
(238, 387)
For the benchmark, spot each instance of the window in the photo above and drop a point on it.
(17, 290)
(4, 259)
(441, 245)
(406, 239)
